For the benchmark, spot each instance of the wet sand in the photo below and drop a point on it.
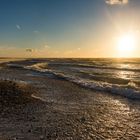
(65, 111)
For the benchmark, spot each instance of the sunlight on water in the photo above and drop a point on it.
(124, 66)
(121, 106)
(118, 77)
(123, 74)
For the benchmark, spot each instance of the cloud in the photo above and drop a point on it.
(46, 46)
(29, 50)
(18, 27)
(113, 2)
(73, 51)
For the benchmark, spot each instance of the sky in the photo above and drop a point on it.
(68, 28)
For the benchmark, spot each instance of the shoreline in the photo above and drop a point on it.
(69, 112)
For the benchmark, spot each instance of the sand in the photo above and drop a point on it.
(61, 110)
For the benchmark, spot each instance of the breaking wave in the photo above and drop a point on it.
(129, 90)
(95, 66)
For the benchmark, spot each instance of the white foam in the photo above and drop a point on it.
(38, 67)
(126, 90)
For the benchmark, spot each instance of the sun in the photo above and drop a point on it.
(127, 43)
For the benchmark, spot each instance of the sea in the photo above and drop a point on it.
(119, 76)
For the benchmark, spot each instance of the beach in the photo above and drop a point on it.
(63, 110)
(69, 70)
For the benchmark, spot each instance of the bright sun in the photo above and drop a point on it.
(127, 43)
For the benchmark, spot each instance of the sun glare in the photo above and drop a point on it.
(127, 43)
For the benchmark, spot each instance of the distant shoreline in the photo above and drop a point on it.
(69, 58)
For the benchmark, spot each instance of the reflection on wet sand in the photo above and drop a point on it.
(64, 110)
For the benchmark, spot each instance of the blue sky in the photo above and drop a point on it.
(62, 27)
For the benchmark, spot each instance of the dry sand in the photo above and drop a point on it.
(65, 111)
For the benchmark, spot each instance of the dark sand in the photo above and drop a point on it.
(65, 111)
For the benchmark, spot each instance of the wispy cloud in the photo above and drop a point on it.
(18, 27)
(29, 50)
(46, 46)
(119, 2)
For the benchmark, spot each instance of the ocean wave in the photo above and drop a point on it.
(39, 66)
(103, 66)
(14, 65)
(130, 90)
(108, 67)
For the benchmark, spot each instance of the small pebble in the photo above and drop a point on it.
(29, 130)
(83, 119)
(41, 137)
